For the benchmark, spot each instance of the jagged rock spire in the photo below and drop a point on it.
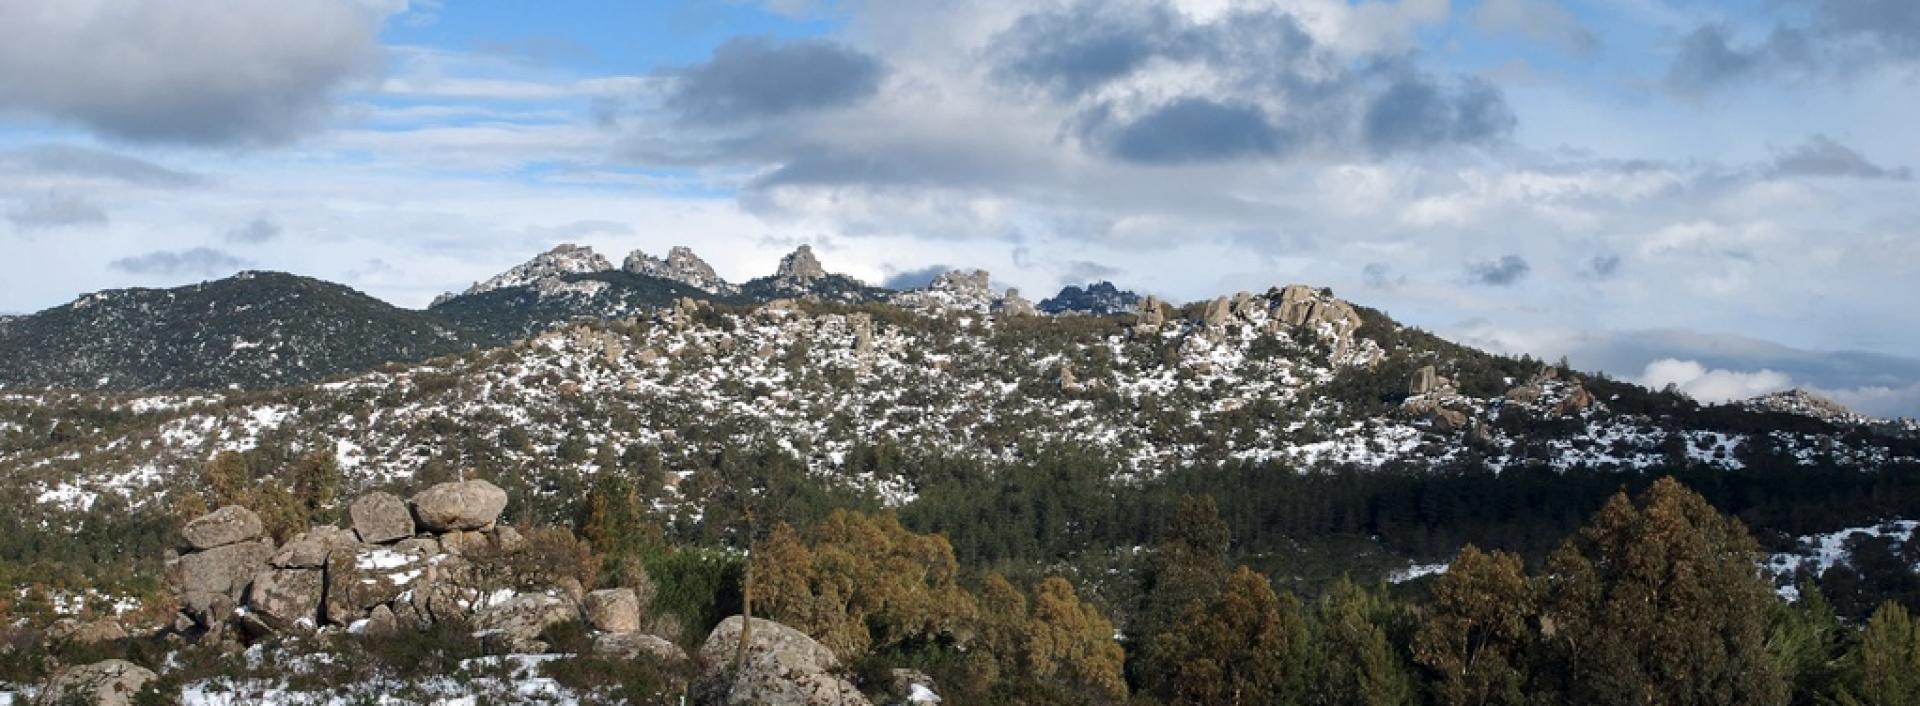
(682, 266)
(799, 268)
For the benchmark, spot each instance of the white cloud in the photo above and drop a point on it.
(211, 72)
(1712, 385)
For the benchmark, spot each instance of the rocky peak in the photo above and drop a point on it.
(1804, 403)
(799, 268)
(954, 290)
(683, 266)
(564, 259)
(1098, 299)
(964, 282)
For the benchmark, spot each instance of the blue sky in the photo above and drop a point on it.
(1715, 194)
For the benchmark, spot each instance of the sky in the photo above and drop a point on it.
(1717, 195)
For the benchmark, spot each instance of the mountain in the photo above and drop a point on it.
(682, 266)
(503, 314)
(801, 276)
(1099, 299)
(944, 432)
(252, 330)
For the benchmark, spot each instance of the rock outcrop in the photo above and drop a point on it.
(683, 266)
(113, 682)
(326, 578)
(613, 610)
(783, 667)
(228, 525)
(517, 623)
(379, 518)
(1097, 299)
(1150, 316)
(799, 269)
(966, 291)
(551, 265)
(1012, 304)
(459, 505)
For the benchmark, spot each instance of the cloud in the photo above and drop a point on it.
(1601, 267)
(1505, 271)
(1418, 113)
(1871, 383)
(1196, 130)
(1379, 275)
(913, 279)
(1149, 84)
(1837, 37)
(72, 161)
(1543, 20)
(205, 262)
(1712, 384)
(198, 72)
(57, 210)
(1086, 272)
(1821, 156)
(1083, 47)
(756, 77)
(258, 230)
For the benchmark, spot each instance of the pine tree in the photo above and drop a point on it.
(1475, 638)
(226, 478)
(1068, 638)
(1244, 647)
(1356, 664)
(1187, 563)
(316, 480)
(1804, 640)
(1658, 603)
(1887, 665)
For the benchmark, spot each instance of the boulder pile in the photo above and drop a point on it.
(401, 564)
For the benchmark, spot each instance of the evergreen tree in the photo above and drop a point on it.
(1474, 641)
(1356, 665)
(226, 478)
(1244, 647)
(1658, 603)
(1069, 639)
(1804, 640)
(1185, 565)
(1888, 663)
(316, 480)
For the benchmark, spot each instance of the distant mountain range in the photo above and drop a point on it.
(266, 329)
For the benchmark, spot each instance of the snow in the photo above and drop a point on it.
(1819, 552)
(383, 558)
(920, 694)
(1416, 571)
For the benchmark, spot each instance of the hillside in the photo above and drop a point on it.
(950, 432)
(255, 329)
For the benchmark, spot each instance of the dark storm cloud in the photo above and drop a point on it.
(1502, 272)
(1602, 267)
(1197, 130)
(758, 77)
(914, 279)
(1821, 156)
(199, 72)
(1278, 88)
(258, 230)
(204, 262)
(1838, 36)
(62, 160)
(1378, 275)
(1082, 47)
(1417, 113)
(1086, 271)
(56, 210)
